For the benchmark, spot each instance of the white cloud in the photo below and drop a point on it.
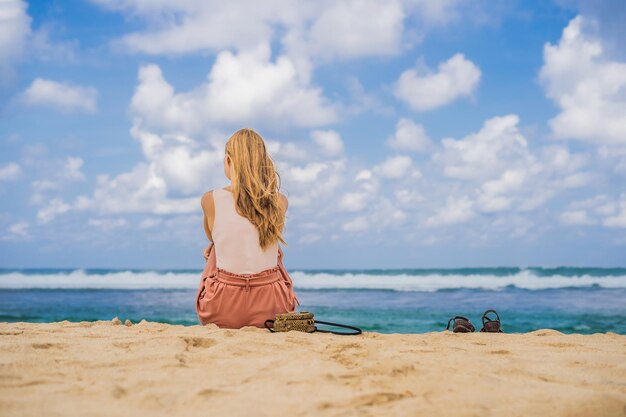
(58, 175)
(617, 217)
(141, 190)
(329, 141)
(71, 169)
(182, 163)
(601, 209)
(307, 173)
(150, 222)
(456, 210)
(46, 50)
(107, 224)
(19, 229)
(410, 136)
(191, 26)
(357, 224)
(14, 32)
(18, 42)
(309, 33)
(10, 171)
(309, 239)
(436, 12)
(243, 88)
(487, 153)
(587, 86)
(355, 28)
(62, 96)
(455, 78)
(576, 217)
(287, 150)
(52, 209)
(363, 175)
(359, 28)
(395, 167)
(355, 201)
(311, 186)
(408, 198)
(503, 173)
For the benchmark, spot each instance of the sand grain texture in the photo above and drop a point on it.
(153, 369)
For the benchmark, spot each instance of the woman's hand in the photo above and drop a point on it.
(206, 252)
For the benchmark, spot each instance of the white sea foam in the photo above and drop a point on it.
(404, 282)
(526, 279)
(79, 279)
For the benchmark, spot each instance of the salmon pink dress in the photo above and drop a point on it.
(242, 284)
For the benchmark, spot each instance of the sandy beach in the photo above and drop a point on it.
(107, 368)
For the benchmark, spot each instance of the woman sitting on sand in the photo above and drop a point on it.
(244, 282)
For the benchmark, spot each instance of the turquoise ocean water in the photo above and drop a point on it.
(582, 300)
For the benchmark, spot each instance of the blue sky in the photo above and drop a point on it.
(407, 133)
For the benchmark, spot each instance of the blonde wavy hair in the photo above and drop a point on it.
(256, 185)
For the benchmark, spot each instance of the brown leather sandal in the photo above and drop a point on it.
(489, 325)
(460, 324)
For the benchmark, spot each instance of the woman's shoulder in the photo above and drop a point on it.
(283, 201)
(206, 201)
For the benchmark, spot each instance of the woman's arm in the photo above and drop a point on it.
(208, 209)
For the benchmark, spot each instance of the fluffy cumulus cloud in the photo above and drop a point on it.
(329, 141)
(410, 136)
(309, 33)
(175, 167)
(60, 176)
(52, 209)
(489, 171)
(354, 28)
(65, 97)
(488, 152)
(321, 30)
(10, 171)
(493, 181)
(358, 224)
(426, 90)
(243, 88)
(587, 86)
(455, 210)
(501, 173)
(396, 167)
(600, 210)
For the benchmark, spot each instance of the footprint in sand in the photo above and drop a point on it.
(379, 398)
(118, 391)
(561, 345)
(211, 392)
(49, 345)
(347, 354)
(198, 342)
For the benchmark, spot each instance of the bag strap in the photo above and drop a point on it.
(268, 327)
(356, 329)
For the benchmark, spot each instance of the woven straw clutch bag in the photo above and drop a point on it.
(302, 321)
